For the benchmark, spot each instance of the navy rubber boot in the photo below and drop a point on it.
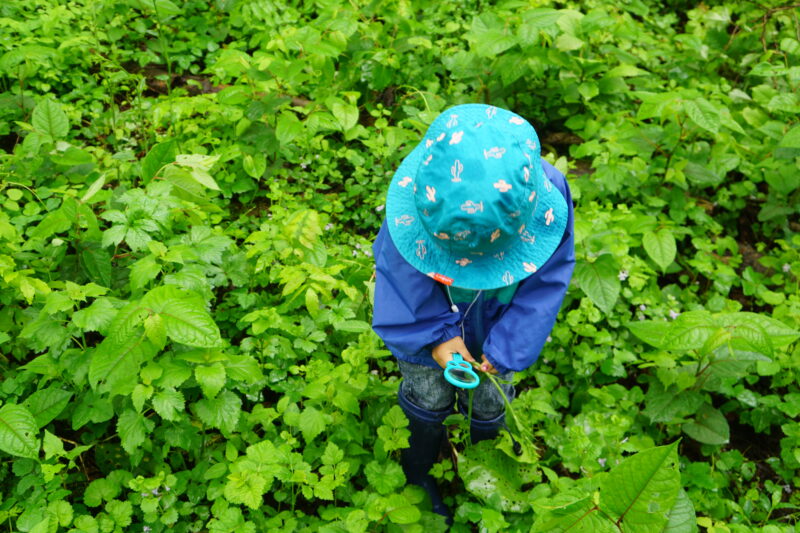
(427, 433)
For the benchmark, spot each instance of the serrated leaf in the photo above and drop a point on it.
(168, 403)
(311, 423)
(385, 477)
(96, 317)
(184, 315)
(246, 488)
(133, 428)
(346, 114)
(401, 511)
(709, 426)
(600, 281)
(211, 378)
(221, 412)
(642, 489)
(49, 119)
(143, 271)
(18, 431)
(660, 246)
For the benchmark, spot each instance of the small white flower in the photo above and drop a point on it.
(673, 314)
(303, 166)
(602, 461)
(380, 208)
(368, 253)
(373, 372)
(328, 226)
(786, 267)
(623, 275)
(549, 339)
(355, 253)
(642, 307)
(155, 492)
(358, 246)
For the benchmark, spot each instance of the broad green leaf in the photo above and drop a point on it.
(490, 474)
(682, 516)
(600, 281)
(93, 188)
(401, 511)
(581, 516)
(159, 156)
(690, 331)
(49, 119)
(346, 114)
(168, 404)
(199, 166)
(133, 428)
(288, 127)
(709, 426)
(155, 330)
(96, 317)
(18, 431)
(96, 262)
(703, 113)
(211, 378)
(255, 165)
(246, 488)
(385, 477)
(789, 145)
(221, 412)
(115, 362)
(312, 423)
(46, 404)
(489, 35)
(660, 246)
(642, 489)
(665, 405)
(184, 315)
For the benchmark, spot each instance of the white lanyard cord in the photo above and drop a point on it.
(454, 308)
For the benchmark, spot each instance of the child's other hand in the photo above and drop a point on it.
(444, 352)
(486, 366)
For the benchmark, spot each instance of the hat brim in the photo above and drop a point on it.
(545, 225)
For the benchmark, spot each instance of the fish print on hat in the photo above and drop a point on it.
(465, 189)
(472, 207)
(495, 152)
(502, 186)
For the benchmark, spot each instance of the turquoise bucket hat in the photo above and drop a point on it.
(471, 206)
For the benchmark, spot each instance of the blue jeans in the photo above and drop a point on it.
(426, 388)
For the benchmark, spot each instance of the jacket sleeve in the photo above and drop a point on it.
(515, 340)
(411, 313)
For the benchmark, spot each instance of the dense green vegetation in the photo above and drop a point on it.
(189, 191)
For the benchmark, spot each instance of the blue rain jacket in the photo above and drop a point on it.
(413, 314)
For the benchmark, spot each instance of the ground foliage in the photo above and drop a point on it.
(189, 190)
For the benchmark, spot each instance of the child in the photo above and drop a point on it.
(474, 257)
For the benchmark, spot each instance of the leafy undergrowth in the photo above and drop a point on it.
(189, 191)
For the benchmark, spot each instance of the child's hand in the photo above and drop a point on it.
(486, 366)
(443, 353)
